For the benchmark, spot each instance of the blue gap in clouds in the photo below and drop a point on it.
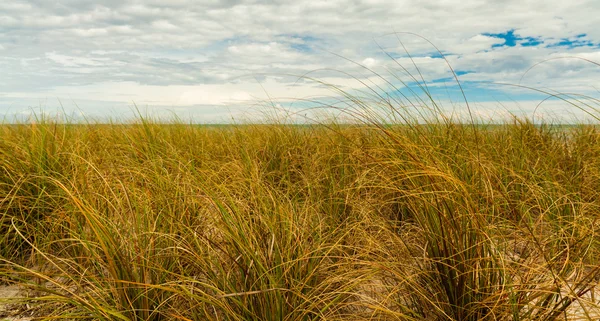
(509, 37)
(305, 46)
(574, 42)
(511, 40)
(437, 55)
(531, 42)
(463, 72)
(451, 79)
(301, 47)
(447, 89)
(434, 55)
(475, 91)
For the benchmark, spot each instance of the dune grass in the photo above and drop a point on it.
(436, 221)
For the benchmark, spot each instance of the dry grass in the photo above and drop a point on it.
(440, 221)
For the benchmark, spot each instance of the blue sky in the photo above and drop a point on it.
(214, 61)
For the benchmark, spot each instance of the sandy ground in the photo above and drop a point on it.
(11, 312)
(591, 310)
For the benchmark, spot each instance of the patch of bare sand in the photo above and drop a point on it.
(587, 307)
(10, 311)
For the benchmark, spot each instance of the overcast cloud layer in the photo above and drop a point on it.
(214, 60)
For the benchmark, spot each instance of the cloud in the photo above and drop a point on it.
(219, 52)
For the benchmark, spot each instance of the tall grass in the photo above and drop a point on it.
(281, 222)
(418, 219)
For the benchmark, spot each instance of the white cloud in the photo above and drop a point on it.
(214, 52)
(70, 61)
(92, 32)
(369, 62)
(164, 25)
(474, 44)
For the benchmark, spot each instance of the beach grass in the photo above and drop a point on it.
(370, 221)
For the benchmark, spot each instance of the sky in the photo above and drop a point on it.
(233, 61)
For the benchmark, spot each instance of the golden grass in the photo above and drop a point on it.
(440, 221)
